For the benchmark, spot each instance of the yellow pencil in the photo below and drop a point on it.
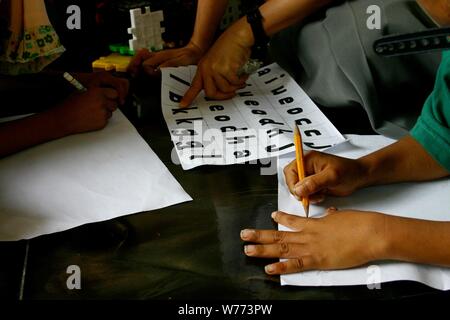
(300, 164)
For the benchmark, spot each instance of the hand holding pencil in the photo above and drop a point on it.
(314, 176)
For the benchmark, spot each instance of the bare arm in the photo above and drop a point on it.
(209, 15)
(417, 241)
(405, 160)
(21, 134)
(218, 69)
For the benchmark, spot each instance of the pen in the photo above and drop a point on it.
(300, 164)
(74, 82)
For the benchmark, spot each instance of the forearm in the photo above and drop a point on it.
(405, 160)
(209, 15)
(279, 15)
(417, 241)
(25, 133)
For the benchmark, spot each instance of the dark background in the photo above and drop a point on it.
(189, 251)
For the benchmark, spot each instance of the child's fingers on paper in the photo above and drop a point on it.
(315, 183)
(270, 236)
(290, 221)
(301, 264)
(193, 91)
(291, 176)
(280, 250)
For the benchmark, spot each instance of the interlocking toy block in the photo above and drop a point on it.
(146, 30)
(121, 49)
(113, 62)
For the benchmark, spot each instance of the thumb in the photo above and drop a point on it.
(314, 184)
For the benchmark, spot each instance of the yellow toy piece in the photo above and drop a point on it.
(113, 62)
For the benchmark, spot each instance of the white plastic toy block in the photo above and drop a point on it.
(146, 29)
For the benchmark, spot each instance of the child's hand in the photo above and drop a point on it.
(105, 80)
(340, 240)
(151, 63)
(326, 175)
(89, 111)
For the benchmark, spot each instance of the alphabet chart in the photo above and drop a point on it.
(256, 124)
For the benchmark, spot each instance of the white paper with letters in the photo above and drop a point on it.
(428, 200)
(256, 124)
(82, 179)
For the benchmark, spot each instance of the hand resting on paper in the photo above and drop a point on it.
(342, 239)
(345, 239)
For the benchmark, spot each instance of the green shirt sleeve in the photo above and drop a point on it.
(432, 130)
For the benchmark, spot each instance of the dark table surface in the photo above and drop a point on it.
(187, 251)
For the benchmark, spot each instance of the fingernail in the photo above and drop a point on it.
(270, 268)
(247, 234)
(249, 250)
(274, 215)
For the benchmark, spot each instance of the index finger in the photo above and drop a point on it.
(271, 236)
(291, 176)
(295, 223)
(194, 90)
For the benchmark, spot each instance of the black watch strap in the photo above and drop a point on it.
(255, 19)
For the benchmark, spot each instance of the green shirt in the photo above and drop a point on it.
(432, 130)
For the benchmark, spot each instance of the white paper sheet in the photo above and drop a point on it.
(429, 201)
(82, 179)
(256, 124)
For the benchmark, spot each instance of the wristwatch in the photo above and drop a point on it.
(255, 19)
